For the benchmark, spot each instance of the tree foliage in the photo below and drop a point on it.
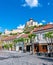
(15, 40)
(10, 45)
(49, 34)
(6, 46)
(31, 36)
(0, 33)
(13, 33)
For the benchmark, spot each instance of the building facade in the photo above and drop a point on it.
(31, 22)
(8, 42)
(41, 44)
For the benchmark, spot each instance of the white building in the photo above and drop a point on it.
(31, 22)
(41, 43)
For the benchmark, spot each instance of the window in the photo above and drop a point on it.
(44, 47)
(43, 35)
(37, 37)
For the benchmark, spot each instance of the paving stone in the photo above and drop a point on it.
(17, 58)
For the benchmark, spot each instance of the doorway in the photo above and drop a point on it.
(20, 48)
(28, 48)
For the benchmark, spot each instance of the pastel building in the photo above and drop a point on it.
(40, 42)
(20, 46)
(9, 40)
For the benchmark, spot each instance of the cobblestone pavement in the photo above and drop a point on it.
(20, 58)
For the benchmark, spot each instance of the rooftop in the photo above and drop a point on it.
(48, 26)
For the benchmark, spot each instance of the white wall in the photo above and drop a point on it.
(20, 44)
(17, 48)
(40, 36)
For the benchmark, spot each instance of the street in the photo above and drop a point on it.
(20, 58)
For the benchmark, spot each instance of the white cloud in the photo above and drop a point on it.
(50, 22)
(21, 26)
(36, 23)
(40, 24)
(43, 21)
(31, 3)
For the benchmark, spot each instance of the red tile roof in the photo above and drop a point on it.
(9, 38)
(24, 36)
(48, 26)
(14, 37)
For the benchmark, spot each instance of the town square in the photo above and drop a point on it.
(26, 32)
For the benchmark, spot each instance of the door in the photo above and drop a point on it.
(28, 48)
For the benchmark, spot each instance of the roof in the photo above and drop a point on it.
(48, 26)
(14, 37)
(9, 38)
(23, 36)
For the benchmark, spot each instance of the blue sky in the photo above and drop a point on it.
(16, 12)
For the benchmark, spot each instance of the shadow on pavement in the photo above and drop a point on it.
(47, 59)
(2, 58)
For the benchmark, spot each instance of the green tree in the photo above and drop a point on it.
(10, 46)
(32, 37)
(6, 46)
(13, 33)
(0, 33)
(20, 40)
(49, 35)
(15, 42)
(23, 40)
